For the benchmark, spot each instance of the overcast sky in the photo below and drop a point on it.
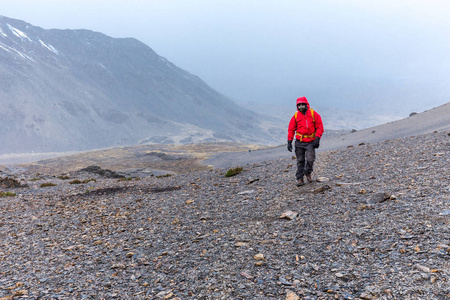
(390, 55)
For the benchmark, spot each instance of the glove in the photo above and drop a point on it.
(316, 142)
(289, 146)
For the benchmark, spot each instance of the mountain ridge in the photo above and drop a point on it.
(71, 90)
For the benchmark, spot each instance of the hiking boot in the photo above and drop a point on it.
(300, 182)
(308, 176)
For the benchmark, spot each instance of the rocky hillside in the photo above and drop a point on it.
(69, 90)
(374, 225)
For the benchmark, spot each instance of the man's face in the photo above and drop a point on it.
(302, 107)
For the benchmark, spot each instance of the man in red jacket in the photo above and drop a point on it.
(307, 126)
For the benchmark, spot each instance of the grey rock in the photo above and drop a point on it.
(285, 282)
(378, 198)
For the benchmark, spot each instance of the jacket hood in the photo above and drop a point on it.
(302, 100)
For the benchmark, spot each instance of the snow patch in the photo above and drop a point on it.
(102, 66)
(18, 33)
(171, 66)
(22, 55)
(49, 47)
(9, 49)
(2, 47)
(2, 33)
(167, 63)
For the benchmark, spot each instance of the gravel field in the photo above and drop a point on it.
(373, 225)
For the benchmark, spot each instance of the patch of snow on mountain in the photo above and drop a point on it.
(17, 52)
(49, 47)
(173, 67)
(4, 48)
(18, 33)
(166, 62)
(102, 66)
(2, 33)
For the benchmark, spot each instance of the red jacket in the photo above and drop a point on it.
(305, 127)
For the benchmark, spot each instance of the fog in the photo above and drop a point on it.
(383, 57)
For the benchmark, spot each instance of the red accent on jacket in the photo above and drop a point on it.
(304, 124)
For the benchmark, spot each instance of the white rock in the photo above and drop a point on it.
(290, 215)
(246, 192)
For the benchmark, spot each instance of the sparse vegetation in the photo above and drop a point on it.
(77, 181)
(47, 184)
(35, 179)
(234, 171)
(125, 179)
(102, 172)
(8, 182)
(165, 175)
(7, 194)
(64, 177)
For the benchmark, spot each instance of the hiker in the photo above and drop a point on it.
(307, 126)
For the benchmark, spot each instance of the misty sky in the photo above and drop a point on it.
(384, 55)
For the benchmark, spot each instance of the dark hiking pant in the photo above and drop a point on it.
(306, 155)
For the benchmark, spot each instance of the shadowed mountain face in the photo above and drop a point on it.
(77, 89)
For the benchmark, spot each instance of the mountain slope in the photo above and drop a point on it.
(436, 119)
(77, 89)
(378, 228)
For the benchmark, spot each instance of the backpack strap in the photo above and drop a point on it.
(312, 115)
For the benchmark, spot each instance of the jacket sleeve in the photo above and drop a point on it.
(292, 128)
(318, 125)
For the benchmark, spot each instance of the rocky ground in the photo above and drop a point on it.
(374, 226)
